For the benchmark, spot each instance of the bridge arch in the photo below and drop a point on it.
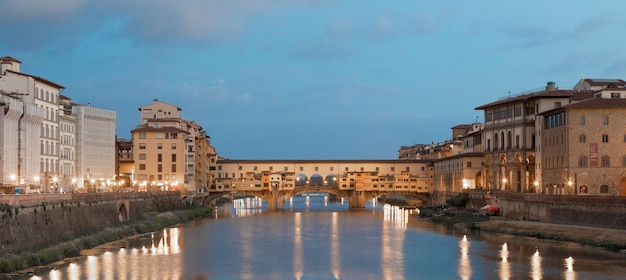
(123, 210)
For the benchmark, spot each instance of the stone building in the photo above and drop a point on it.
(584, 145)
(460, 167)
(512, 156)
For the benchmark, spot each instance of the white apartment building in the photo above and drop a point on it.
(31, 125)
(46, 140)
(95, 148)
(67, 180)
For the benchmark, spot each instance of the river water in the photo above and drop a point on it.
(317, 239)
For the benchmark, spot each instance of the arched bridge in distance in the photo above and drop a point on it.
(357, 181)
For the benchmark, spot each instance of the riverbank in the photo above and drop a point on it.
(73, 248)
(612, 239)
(608, 238)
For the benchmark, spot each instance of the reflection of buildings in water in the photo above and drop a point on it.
(505, 266)
(73, 271)
(398, 216)
(129, 263)
(246, 232)
(535, 266)
(569, 273)
(465, 268)
(247, 206)
(298, 258)
(335, 253)
(392, 241)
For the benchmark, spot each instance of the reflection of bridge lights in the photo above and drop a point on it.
(535, 266)
(395, 214)
(570, 274)
(505, 266)
(465, 268)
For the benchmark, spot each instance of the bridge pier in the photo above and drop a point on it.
(357, 200)
(275, 200)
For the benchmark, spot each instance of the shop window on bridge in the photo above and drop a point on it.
(604, 189)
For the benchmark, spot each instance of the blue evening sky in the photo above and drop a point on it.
(312, 79)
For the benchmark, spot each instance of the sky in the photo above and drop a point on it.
(312, 79)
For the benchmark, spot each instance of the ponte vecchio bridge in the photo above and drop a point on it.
(275, 181)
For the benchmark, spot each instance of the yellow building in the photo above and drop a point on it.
(171, 153)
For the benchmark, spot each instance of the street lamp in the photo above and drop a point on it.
(54, 183)
(36, 180)
(503, 183)
(569, 186)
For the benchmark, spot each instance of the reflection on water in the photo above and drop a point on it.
(465, 268)
(535, 266)
(392, 259)
(385, 243)
(505, 266)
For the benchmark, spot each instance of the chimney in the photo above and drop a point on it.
(550, 86)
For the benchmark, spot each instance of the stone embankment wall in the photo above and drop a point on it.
(581, 210)
(33, 221)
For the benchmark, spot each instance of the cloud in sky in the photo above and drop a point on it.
(404, 72)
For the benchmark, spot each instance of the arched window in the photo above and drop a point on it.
(604, 189)
(605, 138)
(582, 161)
(502, 140)
(582, 138)
(605, 161)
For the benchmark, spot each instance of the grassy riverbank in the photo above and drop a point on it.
(611, 239)
(73, 248)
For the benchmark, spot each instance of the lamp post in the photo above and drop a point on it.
(569, 187)
(54, 184)
(36, 180)
(504, 183)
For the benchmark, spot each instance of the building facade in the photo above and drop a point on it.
(31, 129)
(47, 139)
(584, 146)
(170, 153)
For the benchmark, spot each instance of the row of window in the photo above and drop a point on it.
(167, 135)
(605, 138)
(142, 146)
(46, 95)
(159, 157)
(605, 161)
(605, 120)
(160, 177)
(332, 168)
(507, 112)
(142, 166)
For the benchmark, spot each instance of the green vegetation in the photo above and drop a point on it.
(458, 201)
(73, 248)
